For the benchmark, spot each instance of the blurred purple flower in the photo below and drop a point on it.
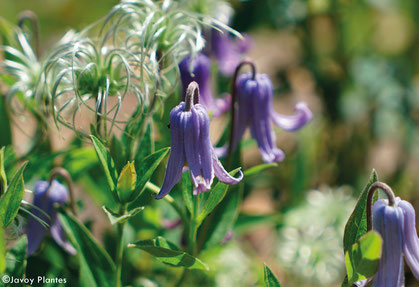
(255, 108)
(396, 224)
(198, 69)
(45, 199)
(191, 145)
(228, 50)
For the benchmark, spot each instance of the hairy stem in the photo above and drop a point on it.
(389, 193)
(120, 250)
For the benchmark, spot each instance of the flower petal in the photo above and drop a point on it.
(411, 240)
(190, 124)
(221, 173)
(57, 232)
(205, 146)
(388, 220)
(293, 122)
(177, 155)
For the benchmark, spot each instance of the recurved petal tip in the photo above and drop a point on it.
(294, 122)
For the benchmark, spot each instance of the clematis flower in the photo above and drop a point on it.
(255, 109)
(396, 224)
(198, 69)
(191, 145)
(228, 51)
(44, 199)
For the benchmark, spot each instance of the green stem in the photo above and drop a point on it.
(193, 226)
(182, 278)
(120, 250)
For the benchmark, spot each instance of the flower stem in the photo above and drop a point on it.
(120, 250)
(59, 171)
(390, 195)
(192, 96)
(234, 103)
(193, 226)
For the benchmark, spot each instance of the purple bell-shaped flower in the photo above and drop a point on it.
(254, 93)
(191, 145)
(396, 224)
(45, 198)
(198, 69)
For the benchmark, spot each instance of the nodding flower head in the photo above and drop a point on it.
(191, 146)
(228, 51)
(46, 196)
(198, 69)
(254, 94)
(396, 224)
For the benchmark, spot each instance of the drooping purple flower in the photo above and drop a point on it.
(228, 50)
(45, 199)
(396, 225)
(191, 145)
(255, 109)
(198, 69)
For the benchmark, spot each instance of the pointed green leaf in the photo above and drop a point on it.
(96, 266)
(169, 253)
(270, 279)
(224, 217)
(126, 182)
(106, 161)
(258, 168)
(147, 167)
(3, 178)
(363, 258)
(216, 196)
(116, 218)
(357, 222)
(10, 201)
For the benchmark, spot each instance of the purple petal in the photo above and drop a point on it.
(190, 125)
(205, 146)
(388, 222)
(57, 232)
(260, 125)
(411, 240)
(177, 156)
(293, 122)
(221, 173)
(35, 232)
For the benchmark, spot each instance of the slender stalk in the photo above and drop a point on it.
(389, 193)
(182, 278)
(120, 250)
(193, 226)
(234, 104)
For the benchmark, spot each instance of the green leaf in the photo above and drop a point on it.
(5, 131)
(146, 169)
(126, 182)
(169, 253)
(187, 188)
(270, 279)
(3, 178)
(2, 251)
(16, 259)
(216, 196)
(106, 161)
(357, 222)
(116, 218)
(363, 258)
(10, 201)
(258, 168)
(96, 267)
(224, 217)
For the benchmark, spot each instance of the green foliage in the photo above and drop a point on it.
(2, 250)
(16, 259)
(168, 253)
(258, 169)
(117, 218)
(10, 201)
(96, 267)
(363, 258)
(126, 182)
(270, 279)
(356, 226)
(3, 178)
